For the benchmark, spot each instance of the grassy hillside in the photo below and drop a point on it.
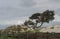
(23, 32)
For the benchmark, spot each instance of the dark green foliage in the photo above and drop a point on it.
(46, 16)
(28, 22)
(35, 16)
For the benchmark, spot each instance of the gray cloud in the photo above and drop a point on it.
(17, 9)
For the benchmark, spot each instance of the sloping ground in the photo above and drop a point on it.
(51, 29)
(45, 33)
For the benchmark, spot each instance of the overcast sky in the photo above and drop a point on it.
(17, 11)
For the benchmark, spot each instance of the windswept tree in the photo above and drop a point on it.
(41, 18)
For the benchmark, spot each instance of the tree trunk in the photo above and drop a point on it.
(40, 25)
(35, 26)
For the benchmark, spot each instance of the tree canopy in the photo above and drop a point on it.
(43, 17)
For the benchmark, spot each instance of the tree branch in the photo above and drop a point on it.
(40, 25)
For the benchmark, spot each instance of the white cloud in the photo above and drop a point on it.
(57, 18)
